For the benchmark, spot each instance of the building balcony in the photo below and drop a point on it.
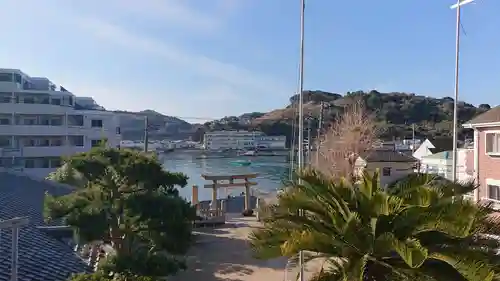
(32, 108)
(52, 151)
(46, 130)
(11, 152)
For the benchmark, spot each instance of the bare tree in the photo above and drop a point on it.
(353, 132)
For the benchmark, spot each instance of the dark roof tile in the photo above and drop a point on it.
(41, 257)
(383, 155)
(490, 116)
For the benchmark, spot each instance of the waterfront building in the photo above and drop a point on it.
(40, 123)
(220, 140)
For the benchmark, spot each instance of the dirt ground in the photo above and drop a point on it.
(223, 254)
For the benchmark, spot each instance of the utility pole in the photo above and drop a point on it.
(413, 138)
(146, 137)
(300, 160)
(309, 142)
(455, 100)
(318, 137)
(14, 224)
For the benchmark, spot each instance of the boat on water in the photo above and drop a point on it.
(249, 153)
(241, 162)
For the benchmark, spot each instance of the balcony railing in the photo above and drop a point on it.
(496, 203)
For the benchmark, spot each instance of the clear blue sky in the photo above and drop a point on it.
(211, 58)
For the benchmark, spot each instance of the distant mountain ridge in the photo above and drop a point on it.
(395, 114)
(160, 126)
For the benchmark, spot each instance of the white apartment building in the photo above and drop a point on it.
(220, 140)
(40, 122)
(441, 163)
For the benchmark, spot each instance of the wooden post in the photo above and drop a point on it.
(222, 207)
(247, 194)
(194, 196)
(257, 207)
(214, 195)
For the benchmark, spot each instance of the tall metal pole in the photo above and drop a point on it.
(309, 143)
(146, 136)
(455, 102)
(300, 160)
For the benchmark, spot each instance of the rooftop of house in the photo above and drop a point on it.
(41, 255)
(490, 116)
(385, 155)
(441, 144)
(446, 155)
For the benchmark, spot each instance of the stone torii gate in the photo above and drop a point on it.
(229, 182)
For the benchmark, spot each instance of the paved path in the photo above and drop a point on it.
(223, 254)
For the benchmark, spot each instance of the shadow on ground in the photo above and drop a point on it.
(223, 254)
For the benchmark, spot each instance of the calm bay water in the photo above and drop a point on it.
(271, 169)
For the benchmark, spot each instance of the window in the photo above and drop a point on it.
(29, 142)
(118, 130)
(29, 163)
(95, 143)
(76, 140)
(494, 192)
(29, 100)
(44, 142)
(96, 123)
(493, 143)
(75, 120)
(56, 101)
(45, 162)
(386, 171)
(5, 97)
(56, 121)
(45, 100)
(55, 163)
(4, 121)
(5, 141)
(18, 78)
(44, 120)
(6, 77)
(29, 121)
(56, 142)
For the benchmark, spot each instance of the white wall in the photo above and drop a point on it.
(398, 169)
(443, 167)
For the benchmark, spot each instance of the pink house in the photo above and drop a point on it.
(487, 154)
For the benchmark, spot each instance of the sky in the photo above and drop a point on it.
(215, 58)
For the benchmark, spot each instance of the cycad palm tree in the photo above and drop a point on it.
(420, 228)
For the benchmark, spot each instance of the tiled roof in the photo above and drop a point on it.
(490, 116)
(41, 257)
(382, 155)
(441, 144)
(440, 155)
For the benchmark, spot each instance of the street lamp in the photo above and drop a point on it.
(457, 6)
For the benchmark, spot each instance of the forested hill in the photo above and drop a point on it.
(395, 114)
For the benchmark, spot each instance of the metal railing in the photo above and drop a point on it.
(14, 224)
